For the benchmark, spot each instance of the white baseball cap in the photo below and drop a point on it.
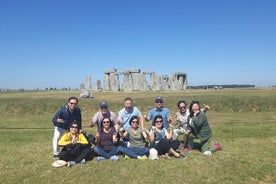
(153, 154)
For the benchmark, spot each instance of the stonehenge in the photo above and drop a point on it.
(134, 80)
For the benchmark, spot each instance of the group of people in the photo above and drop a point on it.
(126, 133)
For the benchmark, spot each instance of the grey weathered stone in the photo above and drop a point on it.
(111, 70)
(132, 70)
(88, 83)
(179, 81)
(86, 90)
(98, 85)
(165, 83)
(86, 94)
(111, 80)
(155, 82)
(82, 86)
(133, 80)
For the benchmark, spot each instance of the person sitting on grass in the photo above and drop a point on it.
(106, 139)
(75, 146)
(137, 140)
(160, 139)
(198, 127)
(181, 118)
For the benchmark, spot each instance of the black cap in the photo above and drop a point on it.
(159, 99)
(103, 105)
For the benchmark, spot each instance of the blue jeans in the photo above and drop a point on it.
(101, 152)
(133, 152)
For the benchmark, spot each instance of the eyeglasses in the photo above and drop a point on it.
(74, 127)
(134, 121)
(105, 121)
(72, 103)
(182, 107)
(158, 121)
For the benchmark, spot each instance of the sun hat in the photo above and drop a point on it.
(59, 163)
(153, 154)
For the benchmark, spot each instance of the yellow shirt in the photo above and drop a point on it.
(67, 139)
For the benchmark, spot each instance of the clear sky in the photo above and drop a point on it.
(57, 43)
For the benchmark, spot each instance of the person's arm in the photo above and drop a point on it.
(169, 134)
(205, 108)
(93, 120)
(151, 133)
(189, 130)
(114, 136)
(148, 116)
(98, 136)
(142, 121)
(119, 121)
(168, 115)
(64, 140)
(175, 122)
(82, 139)
(58, 118)
(145, 134)
(114, 118)
(123, 133)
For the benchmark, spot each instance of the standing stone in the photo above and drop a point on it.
(155, 82)
(98, 85)
(88, 82)
(179, 81)
(82, 86)
(111, 80)
(165, 83)
(133, 80)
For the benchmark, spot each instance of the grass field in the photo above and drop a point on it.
(242, 120)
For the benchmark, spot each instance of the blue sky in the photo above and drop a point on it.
(57, 43)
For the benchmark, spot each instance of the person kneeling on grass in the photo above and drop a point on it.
(106, 139)
(160, 139)
(198, 127)
(75, 146)
(137, 140)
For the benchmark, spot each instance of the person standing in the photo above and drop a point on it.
(159, 109)
(102, 113)
(126, 113)
(62, 121)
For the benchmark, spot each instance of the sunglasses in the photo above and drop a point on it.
(182, 107)
(158, 102)
(105, 121)
(158, 121)
(74, 127)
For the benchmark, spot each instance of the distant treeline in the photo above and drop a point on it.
(222, 86)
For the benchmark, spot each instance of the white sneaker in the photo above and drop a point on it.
(208, 153)
(82, 161)
(114, 158)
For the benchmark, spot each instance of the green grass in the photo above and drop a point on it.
(242, 120)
